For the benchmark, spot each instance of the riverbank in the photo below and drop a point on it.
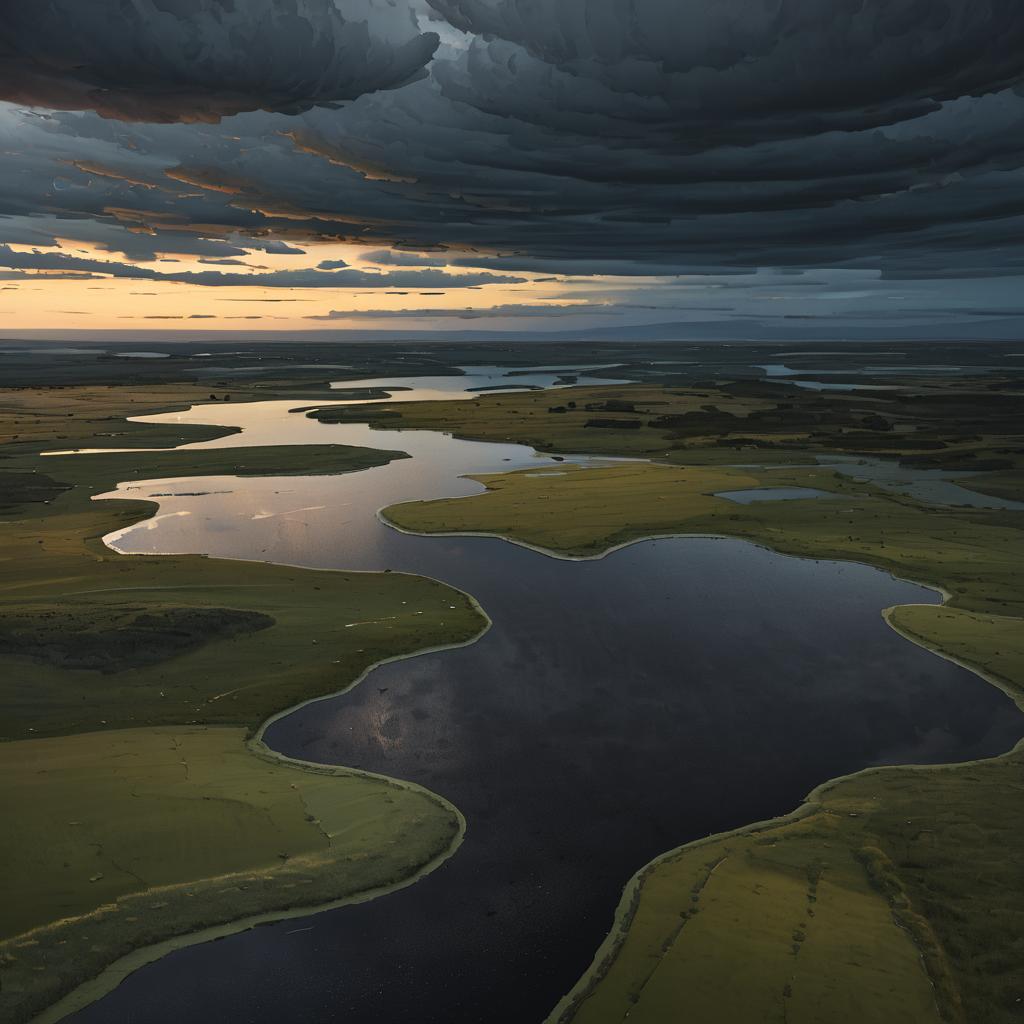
(131, 686)
(974, 554)
(840, 904)
(229, 840)
(828, 913)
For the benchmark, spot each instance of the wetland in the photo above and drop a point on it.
(630, 695)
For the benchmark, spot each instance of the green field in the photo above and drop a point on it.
(115, 841)
(1002, 485)
(582, 512)
(33, 419)
(894, 895)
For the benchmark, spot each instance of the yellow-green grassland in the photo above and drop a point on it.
(140, 808)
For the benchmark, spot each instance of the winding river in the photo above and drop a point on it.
(617, 708)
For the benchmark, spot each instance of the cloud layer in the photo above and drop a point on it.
(738, 71)
(561, 135)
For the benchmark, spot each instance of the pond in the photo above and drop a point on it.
(752, 494)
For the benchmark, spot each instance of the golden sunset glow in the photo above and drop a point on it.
(44, 299)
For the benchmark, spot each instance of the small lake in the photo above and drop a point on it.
(477, 379)
(933, 486)
(781, 373)
(617, 708)
(749, 495)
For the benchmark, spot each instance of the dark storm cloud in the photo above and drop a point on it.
(655, 137)
(201, 60)
(738, 70)
(582, 266)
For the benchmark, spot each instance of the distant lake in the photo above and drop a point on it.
(749, 495)
(617, 708)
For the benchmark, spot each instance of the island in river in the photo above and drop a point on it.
(135, 640)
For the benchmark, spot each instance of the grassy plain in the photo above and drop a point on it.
(58, 580)
(893, 895)
(135, 811)
(114, 841)
(967, 425)
(580, 512)
(525, 417)
(33, 419)
(1009, 484)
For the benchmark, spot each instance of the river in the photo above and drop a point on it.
(616, 708)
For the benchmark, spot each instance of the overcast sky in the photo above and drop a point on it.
(736, 169)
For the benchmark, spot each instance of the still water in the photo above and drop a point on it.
(616, 708)
(749, 495)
